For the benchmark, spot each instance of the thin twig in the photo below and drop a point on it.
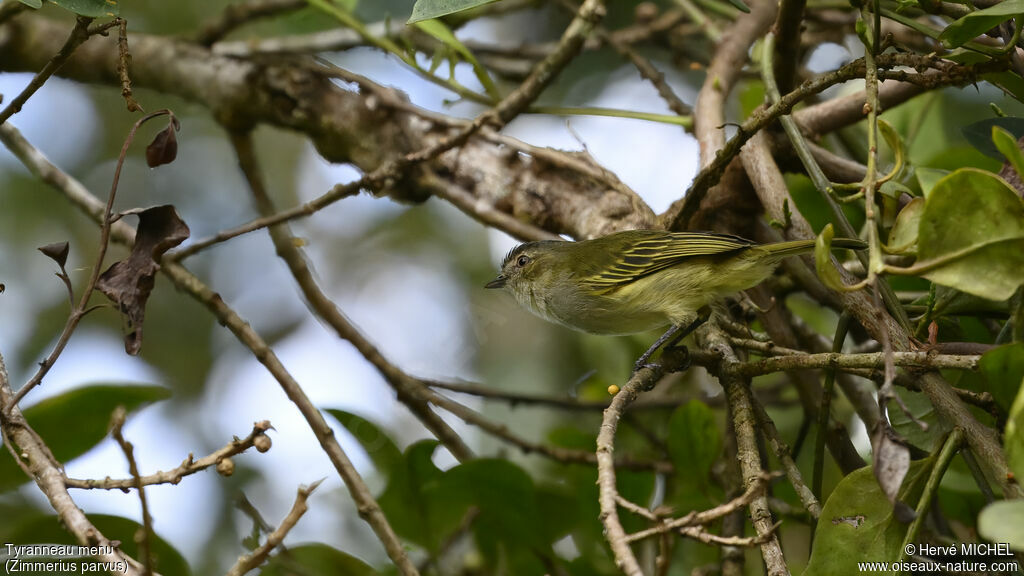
(35, 458)
(247, 562)
(696, 518)
(82, 308)
(188, 467)
(743, 420)
(241, 13)
(408, 390)
(79, 34)
(144, 537)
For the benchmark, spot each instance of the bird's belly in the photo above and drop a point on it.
(599, 321)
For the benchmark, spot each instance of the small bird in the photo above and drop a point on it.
(639, 280)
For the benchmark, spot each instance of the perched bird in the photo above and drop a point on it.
(639, 280)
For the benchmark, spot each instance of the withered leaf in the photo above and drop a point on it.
(164, 147)
(891, 461)
(128, 282)
(58, 252)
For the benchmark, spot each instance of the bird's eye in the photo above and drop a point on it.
(523, 261)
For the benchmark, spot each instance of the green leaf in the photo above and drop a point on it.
(47, 528)
(823, 261)
(1003, 368)
(37, 4)
(1003, 521)
(378, 445)
(903, 236)
(90, 8)
(857, 521)
(921, 407)
(316, 559)
(1013, 440)
(899, 151)
(694, 441)
(979, 134)
(507, 515)
(971, 235)
(1008, 146)
(443, 34)
(408, 501)
(77, 420)
(927, 178)
(977, 23)
(502, 492)
(427, 9)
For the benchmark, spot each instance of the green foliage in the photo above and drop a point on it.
(443, 34)
(979, 134)
(77, 420)
(980, 21)
(971, 235)
(1013, 440)
(921, 408)
(1003, 521)
(903, 235)
(694, 443)
(857, 522)
(1007, 145)
(315, 559)
(1003, 368)
(408, 499)
(378, 445)
(427, 9)
(90, 8)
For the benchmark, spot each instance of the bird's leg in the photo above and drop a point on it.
(689, 330)
(641, 362)
(672, 336)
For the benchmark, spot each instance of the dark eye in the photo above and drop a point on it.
(523, 261)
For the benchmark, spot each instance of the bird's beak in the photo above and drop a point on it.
(498, 282)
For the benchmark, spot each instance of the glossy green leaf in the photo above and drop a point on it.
(48, 529)
(315, 559)
(979, 134)
(1008, 147)
(903, 236)
(1003, 369)
(37, 4)
(857, 522)
(77, 420)
(91, 8)
(977, 23)
(1003, 521)
(971, 235)
(378, 445)
(427, 9)
(694, 441)
(443, 34)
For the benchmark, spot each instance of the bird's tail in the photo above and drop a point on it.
(782, 249)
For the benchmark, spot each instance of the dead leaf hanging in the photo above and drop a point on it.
(128, 282)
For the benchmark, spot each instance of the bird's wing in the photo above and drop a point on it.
(651, 253)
